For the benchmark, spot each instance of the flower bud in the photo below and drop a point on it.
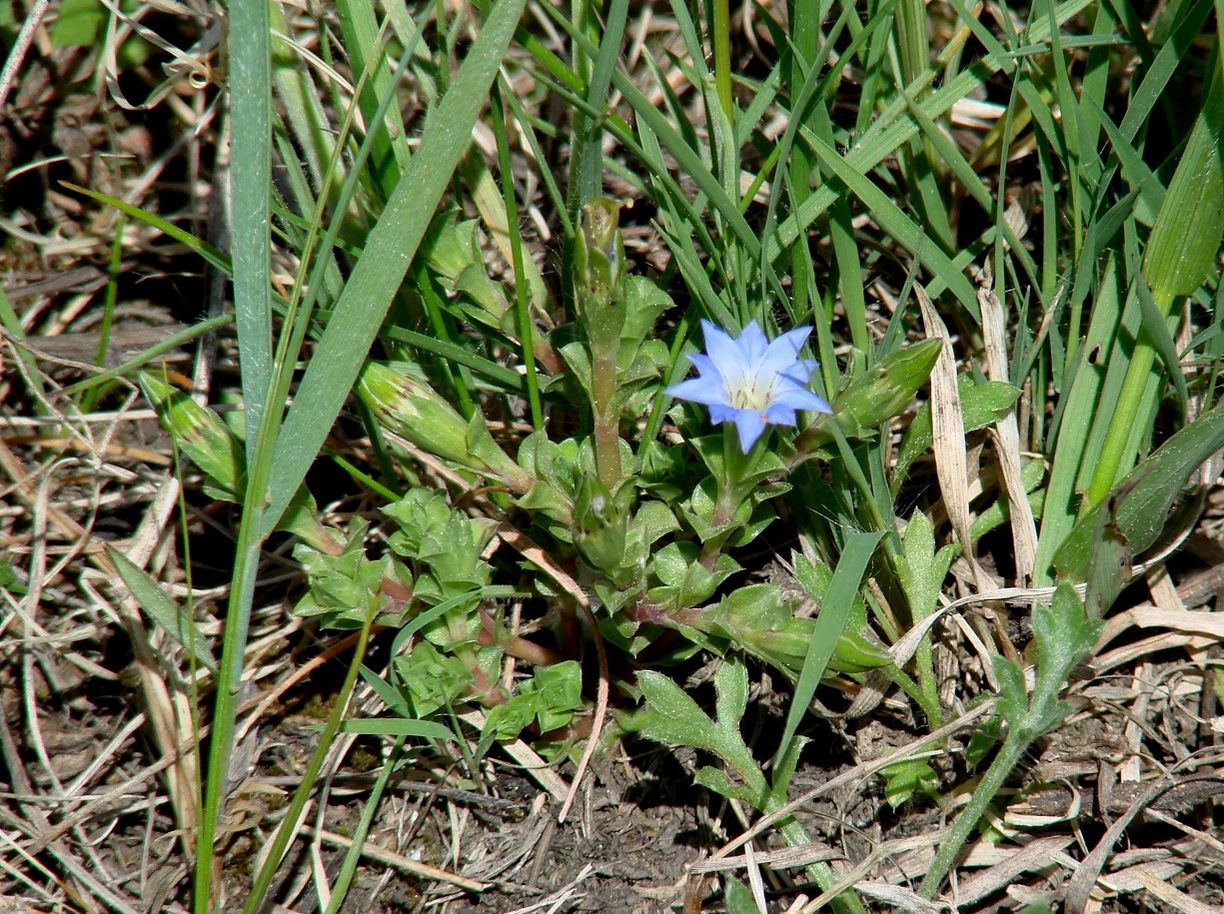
(599, 251)
(412, 409)
(202, 435)
(600, 524)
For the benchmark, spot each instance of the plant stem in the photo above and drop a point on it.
(1113, 451)
(607, 415)
(1009, 756)
(821, 873)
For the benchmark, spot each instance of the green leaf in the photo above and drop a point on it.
(8, 579)
(922, 570)
(164, 612)
(556, 693)
(830, 625)
(1013, 696)
(1185, 243)
(717, 781)
(434, 680)
(1148, 493)
(674, 717)
(78, 24)
(1062, 636)
(731, 689)
(739, 898)
(905, 778)
(982, 403)
(250, 74)
(1096, 554)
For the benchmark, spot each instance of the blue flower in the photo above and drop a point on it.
(751, 381)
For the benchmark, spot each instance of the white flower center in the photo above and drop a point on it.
(751, 391)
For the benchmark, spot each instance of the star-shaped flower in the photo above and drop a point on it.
(751, 381)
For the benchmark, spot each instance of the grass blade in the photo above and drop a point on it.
(250, 200)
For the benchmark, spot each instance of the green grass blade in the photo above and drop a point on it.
(251, 182)
(586, 164)
(830, 623)
(891, 129)
(894, 221)
(288, 827)
(1181, 252)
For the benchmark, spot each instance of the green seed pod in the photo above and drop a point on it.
(412, 409)
(202, 435)
(599, 251)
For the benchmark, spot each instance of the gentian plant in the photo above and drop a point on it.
(646, 540)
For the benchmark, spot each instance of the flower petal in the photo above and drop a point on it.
(724, 352)
(705, 365)
(782, 354)
(706, 391)
(750, 424)
(779, 414)
(752, 345)
(795, 396)
(801, 370)
(792, 339)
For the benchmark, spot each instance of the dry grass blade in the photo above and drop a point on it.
(1079, 888)
(170, 727)
(1173, 897)
(1179, 620)
(755, 882)
(559, 899)
(948, 432)
(1033, 856)
(372, 851)
(858, 773)
(1006, 434)
(783, 858)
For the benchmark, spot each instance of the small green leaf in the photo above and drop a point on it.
(9, 580)
(731, 688)
(78, 24)
(556, 693)
(739, 898)
(1148, 493)
(674, 717)
(922, 570)
(1013, 697)
(434, 680)
(905, 778)
(164, 612)
(1185, 242)
(717, 781)
(1063, 635)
